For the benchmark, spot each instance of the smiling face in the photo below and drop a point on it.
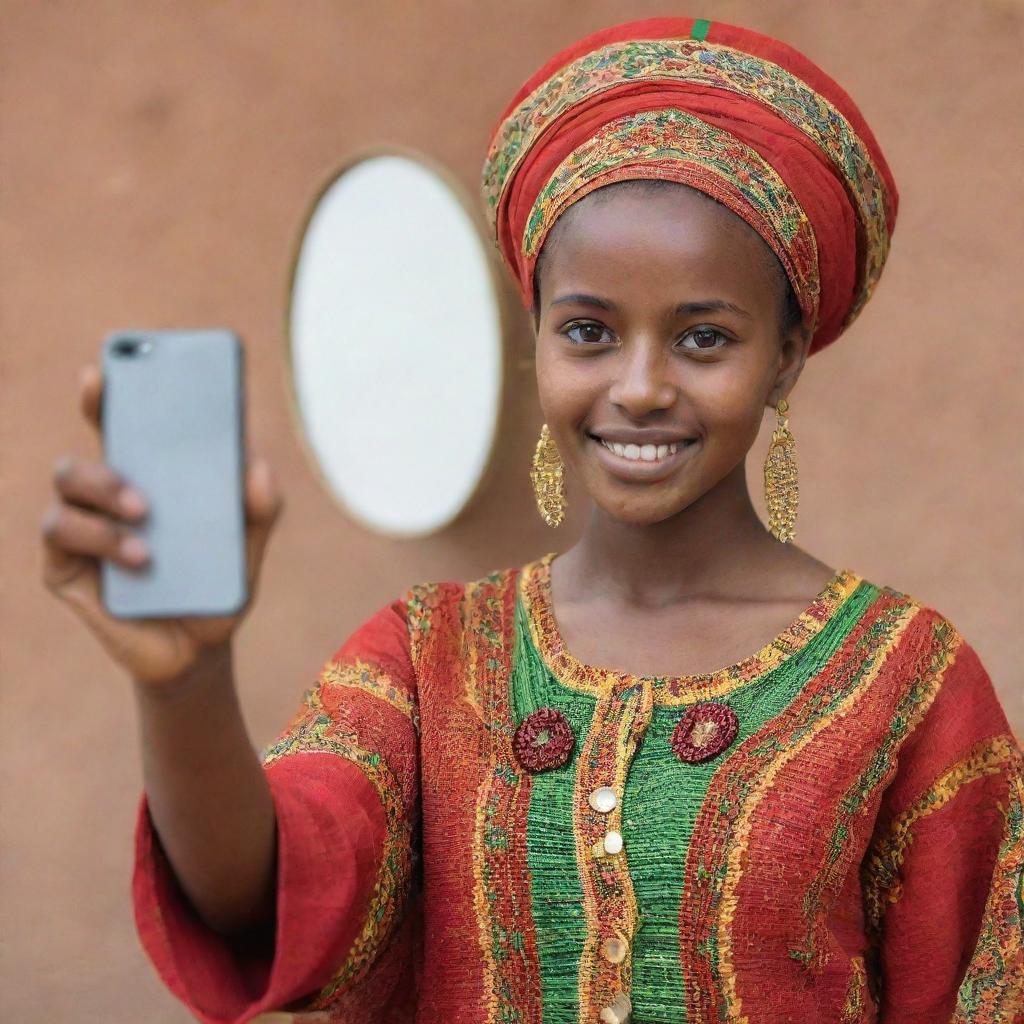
(663, 326)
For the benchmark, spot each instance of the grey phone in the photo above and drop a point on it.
(173, 426)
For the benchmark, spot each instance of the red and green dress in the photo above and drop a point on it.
(475, 827)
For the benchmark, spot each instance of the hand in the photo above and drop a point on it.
(88, 522)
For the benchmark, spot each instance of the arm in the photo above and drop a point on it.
(943, 875)
(343, 781)
(208, 798)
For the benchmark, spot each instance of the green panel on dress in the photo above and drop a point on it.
(556, 894)
(663, 796)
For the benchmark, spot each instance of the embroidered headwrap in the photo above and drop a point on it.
(742, 117)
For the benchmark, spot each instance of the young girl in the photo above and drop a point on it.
(525, 798)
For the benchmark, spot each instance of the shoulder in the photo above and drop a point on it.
(945, 726)
(916, 616)
(435, 611)
(949, 691)
(422, 602)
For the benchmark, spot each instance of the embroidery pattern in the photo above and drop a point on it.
(499, 855)
(993, 985)
(620, 720)
(674, 145)
(420, 603)
(555, 889)
(719, 848)
(360, 675)
(313, 731)
(710, 64)
(544, 740)
(928, 654)
(882, 886)
(673, 690)
(856, 993)
(704, 731)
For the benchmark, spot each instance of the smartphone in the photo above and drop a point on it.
(172, 422)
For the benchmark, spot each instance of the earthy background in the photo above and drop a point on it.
(159, 159)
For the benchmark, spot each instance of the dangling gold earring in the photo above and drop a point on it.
(781, 490)
(548, 476)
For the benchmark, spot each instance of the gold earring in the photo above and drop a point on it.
(548, 476)
(781, 489)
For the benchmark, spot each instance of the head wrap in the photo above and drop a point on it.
(740, 116)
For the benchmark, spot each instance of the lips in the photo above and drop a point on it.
(638, 469)
(641, 452)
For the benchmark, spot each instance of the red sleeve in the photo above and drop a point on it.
(943, 875)
(344, 777)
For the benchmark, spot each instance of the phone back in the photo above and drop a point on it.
(173, 426)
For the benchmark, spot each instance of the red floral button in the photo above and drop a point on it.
(704, 731)
(544, 740)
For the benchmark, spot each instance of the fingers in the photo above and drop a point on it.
(87, 521)
(90, 394)
(68, 530)
(94, 485)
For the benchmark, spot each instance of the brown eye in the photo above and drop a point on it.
(589, 333)
(703, 339)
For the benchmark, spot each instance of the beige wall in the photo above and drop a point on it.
(158, 161)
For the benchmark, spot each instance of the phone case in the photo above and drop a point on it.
(173, 427)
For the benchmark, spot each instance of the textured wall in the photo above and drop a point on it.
(158, 162)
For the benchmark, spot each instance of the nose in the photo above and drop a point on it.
(642, 382)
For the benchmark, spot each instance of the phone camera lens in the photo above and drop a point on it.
(130, 346)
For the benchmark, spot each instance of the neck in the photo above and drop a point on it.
(712, 545)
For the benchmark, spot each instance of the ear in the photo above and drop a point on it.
(793, 350)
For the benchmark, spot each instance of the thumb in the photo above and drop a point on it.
(263, 499)
(263, 505)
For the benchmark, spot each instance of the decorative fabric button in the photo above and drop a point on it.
(544, 740)
(704, 731)
(603, 800)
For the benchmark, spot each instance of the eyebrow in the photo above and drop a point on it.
(684, 308)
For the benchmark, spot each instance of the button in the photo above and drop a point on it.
(619, 1011)
(603, 799)
(610, 844)
(614, 950)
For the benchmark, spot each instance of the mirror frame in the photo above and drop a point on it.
(503, 298)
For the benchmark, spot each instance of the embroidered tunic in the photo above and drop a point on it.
(835, 832)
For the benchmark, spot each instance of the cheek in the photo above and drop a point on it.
(729, 401)
(565, 388)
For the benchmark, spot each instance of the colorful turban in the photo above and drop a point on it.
(740, 116)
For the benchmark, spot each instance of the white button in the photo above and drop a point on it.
(613, 842)
(620, 1010)
(603, 799)
(614, 950)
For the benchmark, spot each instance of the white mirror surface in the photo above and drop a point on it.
(396, 346)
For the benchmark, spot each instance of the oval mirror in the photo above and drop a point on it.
(396, 345)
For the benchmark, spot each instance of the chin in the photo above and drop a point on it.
(641, 511)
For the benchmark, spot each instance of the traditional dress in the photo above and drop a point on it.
(831, 830)
(474, 827)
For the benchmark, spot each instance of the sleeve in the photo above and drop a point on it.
(943, 873)
(344, 778)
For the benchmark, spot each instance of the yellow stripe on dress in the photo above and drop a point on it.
(362, 675)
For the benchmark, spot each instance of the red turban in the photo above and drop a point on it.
(738, 115)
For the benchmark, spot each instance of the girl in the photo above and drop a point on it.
(525, 798)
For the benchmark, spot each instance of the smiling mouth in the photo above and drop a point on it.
(650, 454)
